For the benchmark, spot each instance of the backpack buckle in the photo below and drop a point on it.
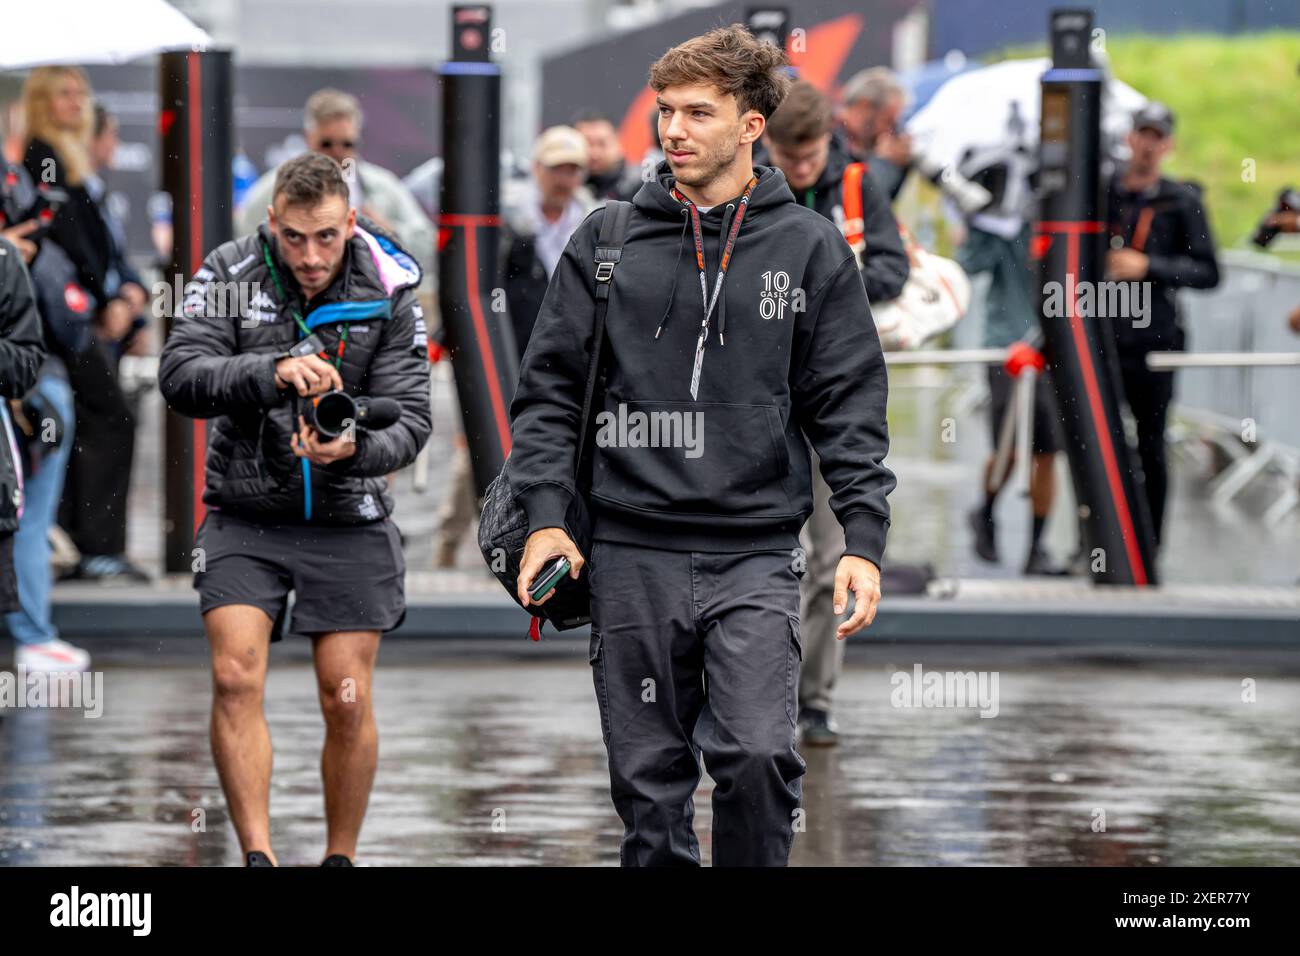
(604, 271)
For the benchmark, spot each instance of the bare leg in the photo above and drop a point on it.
(345, 664)
(1042, 484)
(989, 490)
(240, 636)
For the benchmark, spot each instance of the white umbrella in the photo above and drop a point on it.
(92, 31)
(981, 109)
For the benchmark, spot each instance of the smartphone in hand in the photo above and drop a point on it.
(550, 575)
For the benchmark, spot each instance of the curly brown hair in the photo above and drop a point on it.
(731, 59)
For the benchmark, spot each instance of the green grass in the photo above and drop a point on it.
(1235, 98)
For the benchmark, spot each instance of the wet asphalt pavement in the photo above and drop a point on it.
(500, 762)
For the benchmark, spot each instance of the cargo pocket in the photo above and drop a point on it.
(794, 657)
(596, 658)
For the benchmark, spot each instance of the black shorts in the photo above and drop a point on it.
(1046, 419)
(344, 578)
(8, 575)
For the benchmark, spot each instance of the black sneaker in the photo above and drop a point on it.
(817, 729)
(985, 544)
(257, 858)
(1039, 563)
(336, 859)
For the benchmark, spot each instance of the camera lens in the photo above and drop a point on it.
(333, 412)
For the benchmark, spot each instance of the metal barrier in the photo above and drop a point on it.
(1224, 401)
(1226, 386)
(1251, 459)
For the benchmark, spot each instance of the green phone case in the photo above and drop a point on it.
(542, 588)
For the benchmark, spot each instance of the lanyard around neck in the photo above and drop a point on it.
(728, 247)
(697, 234)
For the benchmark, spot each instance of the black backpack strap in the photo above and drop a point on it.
(609, 250)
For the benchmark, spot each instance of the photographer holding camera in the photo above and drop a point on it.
(324, 304)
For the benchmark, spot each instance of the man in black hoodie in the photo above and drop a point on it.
(700, 472)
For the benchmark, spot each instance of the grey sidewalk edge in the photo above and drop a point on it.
(921, 620)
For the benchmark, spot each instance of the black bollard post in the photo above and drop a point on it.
(480, 340)
(195, 95)
(1070, 245)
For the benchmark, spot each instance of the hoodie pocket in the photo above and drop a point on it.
(705, 458)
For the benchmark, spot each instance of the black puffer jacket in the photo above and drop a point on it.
(224, 368)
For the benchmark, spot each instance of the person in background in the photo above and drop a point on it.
(871, 106)
(104, 141)
(41, 420)
(1287, 220)
(540, 214)
(799, 142)
(21, 353)
(821, 175)
(606, 168)
(1010, 317)
(644, 171)
(60, 124)
(539, 220)
(1159, 234)
(332, 123)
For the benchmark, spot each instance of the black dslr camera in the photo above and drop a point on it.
(337, 412)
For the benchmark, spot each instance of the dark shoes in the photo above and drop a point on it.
(817, 729)
(1039, 563)
(258, 858)
(985, 545)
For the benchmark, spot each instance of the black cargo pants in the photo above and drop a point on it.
(698, 652)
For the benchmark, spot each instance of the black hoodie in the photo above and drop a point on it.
(792, 350)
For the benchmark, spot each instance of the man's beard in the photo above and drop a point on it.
(709, 166)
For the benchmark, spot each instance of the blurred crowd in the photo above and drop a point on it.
(73, 427)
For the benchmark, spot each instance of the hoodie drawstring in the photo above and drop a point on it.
(672, 291)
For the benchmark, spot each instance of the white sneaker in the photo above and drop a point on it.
(52, 657)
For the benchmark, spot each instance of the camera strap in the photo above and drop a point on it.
(303, 332)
